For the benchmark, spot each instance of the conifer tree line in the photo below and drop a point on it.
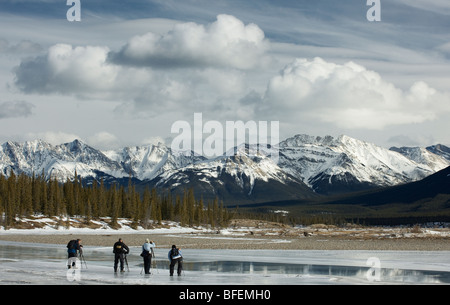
(23, 195)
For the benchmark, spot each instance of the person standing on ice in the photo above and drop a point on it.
(147, 254)
(119, 250)
(72, 247)
(175, 257)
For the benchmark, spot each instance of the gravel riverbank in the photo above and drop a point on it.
(249, 234)
(215, 241)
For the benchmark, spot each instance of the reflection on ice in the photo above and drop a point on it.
(47, 264)
(258, 268)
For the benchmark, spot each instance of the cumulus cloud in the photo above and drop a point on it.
(87, 72)
(218, 72)
(15, 109)
(79, 71)
(215, 58)
(349, 96)
(227, 42)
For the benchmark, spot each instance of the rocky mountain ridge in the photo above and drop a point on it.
(307, 166)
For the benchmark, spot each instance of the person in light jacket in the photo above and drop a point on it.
(147, 254)
(175, 257)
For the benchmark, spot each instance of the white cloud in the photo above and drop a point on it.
(103, 140)
(227, 42)
(216, 57)
(153, 141)
(349, 96)
(52, 137)
(227, 70)
(80, 71)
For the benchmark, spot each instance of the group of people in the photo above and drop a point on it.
(120, 250)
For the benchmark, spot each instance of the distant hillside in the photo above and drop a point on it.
(425, 189)
(427, 200)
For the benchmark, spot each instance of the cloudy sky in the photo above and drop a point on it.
(129, 69)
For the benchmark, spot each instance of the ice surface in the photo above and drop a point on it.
(25, 263)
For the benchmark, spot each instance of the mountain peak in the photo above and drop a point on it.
(343, 164)
(440, 150)
(326, 164)
(76, 143)
(301, 139)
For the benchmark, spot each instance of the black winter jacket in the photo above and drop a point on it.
(120, 248)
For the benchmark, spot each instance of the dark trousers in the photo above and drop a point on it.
(72, 254)
(118, 257)
(147, 263)
(180, 265)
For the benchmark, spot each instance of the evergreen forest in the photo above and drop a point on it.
(23, 196)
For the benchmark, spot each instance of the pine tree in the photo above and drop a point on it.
(146, 208)
(200, 212)
(211, 217)
(102, 199)
(44, 199)
(3, 194)
(191, 207)
(24, 195)
(114, 205)
(35, 194)
(11, 201)
(70, 197)
(184, 216)
(177, 208)
(88, 214)
(93, 194)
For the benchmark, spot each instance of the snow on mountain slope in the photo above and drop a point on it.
(345, 162)
(325, 164)
(61, 161)
(424, 157)
(253, 165)
(147, 162)
(440, 150)
(245, 176)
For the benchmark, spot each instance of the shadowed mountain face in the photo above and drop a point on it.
(425, 189)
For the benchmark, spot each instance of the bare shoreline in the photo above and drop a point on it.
(252, 234)
(216, 241)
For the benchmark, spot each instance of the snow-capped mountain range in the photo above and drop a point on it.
(342, 164)
(307, 166)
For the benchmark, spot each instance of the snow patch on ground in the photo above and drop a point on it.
(237, 227)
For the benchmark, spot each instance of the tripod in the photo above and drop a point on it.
(126, 262)
(154, 262)
(82, 259)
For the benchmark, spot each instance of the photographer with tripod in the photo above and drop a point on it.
(73, 248)
(147, 254)
(175, 257)
(120, 251)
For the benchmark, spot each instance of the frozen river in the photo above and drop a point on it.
(24, 263)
